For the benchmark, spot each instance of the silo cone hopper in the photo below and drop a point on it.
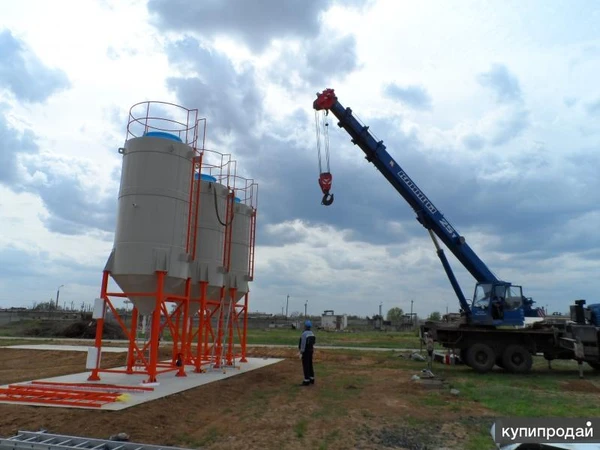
(143, 283)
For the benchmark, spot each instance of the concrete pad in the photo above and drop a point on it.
(66, 348)
(168, 383)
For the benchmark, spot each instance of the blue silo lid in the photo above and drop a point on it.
(162, 134)
(205, 177)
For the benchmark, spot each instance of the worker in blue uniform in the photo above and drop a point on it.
(306, 347)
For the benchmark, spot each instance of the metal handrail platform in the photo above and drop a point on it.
(40, 440)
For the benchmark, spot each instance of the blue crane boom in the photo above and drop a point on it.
(434, 221)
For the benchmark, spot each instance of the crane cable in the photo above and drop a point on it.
(325, 177)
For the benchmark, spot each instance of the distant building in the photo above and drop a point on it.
(331, 321)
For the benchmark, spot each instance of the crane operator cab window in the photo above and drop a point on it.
(491, 299)
(482, 296)
(497, 299)
(497, 302)
(514, 298)
(494, 299)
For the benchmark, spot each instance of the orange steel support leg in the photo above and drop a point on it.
(244, 329)
(205, 329)
(219, 346)
(156, 328)
(100, 328)
(132, 337)
(178, 348)
(208, 331)
(184, 330)
(191, 335)
(232, 293)
(201, 325)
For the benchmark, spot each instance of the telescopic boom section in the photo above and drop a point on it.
(427, 214)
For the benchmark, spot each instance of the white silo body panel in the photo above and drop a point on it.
(210, 239)
(152, 218)
(240, 250)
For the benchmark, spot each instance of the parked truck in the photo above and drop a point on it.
(492, 330)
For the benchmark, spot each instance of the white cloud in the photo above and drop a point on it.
(518, 179)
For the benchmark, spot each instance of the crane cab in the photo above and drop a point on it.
(497, 304)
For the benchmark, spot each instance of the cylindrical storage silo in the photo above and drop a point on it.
(152, 219)
(238, 276)
(210, 239)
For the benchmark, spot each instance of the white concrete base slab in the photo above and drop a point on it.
(65, 348)
(168, 383)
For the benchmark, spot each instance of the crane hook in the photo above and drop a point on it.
(325, 180)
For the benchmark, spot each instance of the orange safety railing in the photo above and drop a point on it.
(158, 116)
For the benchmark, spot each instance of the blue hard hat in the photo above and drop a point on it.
(308, 324)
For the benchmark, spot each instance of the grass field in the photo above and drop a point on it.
(362, 399)
(341, 339)
(20, 328)
(275, 336)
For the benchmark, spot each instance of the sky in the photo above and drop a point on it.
(492, 108)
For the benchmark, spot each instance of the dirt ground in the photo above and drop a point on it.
(357, 403)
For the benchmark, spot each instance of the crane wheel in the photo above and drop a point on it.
(481, 357)
(517, 359)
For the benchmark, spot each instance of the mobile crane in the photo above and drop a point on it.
(480, 336)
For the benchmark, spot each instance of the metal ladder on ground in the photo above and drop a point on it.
(39, 440)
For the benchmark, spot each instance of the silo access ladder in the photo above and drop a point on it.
(39, 440)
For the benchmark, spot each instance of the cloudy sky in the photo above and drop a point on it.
(491, 107)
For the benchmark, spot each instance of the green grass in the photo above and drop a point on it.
(300, 428)
(19, 328)
(209, 437)
(17, 341)
(275, 336)
(479, 437)
(331, 437)
(516, 401)
(372, 339)
(540, 393)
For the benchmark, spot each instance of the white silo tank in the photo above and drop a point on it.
(210, 238)
(151, 231)
(238, 276)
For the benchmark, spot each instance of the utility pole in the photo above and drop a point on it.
(412, 318)
(57, 294)
(380, 315)
(305, 309)
(287, 302)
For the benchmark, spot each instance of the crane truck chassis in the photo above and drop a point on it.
(482, 348)
(490, 332)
